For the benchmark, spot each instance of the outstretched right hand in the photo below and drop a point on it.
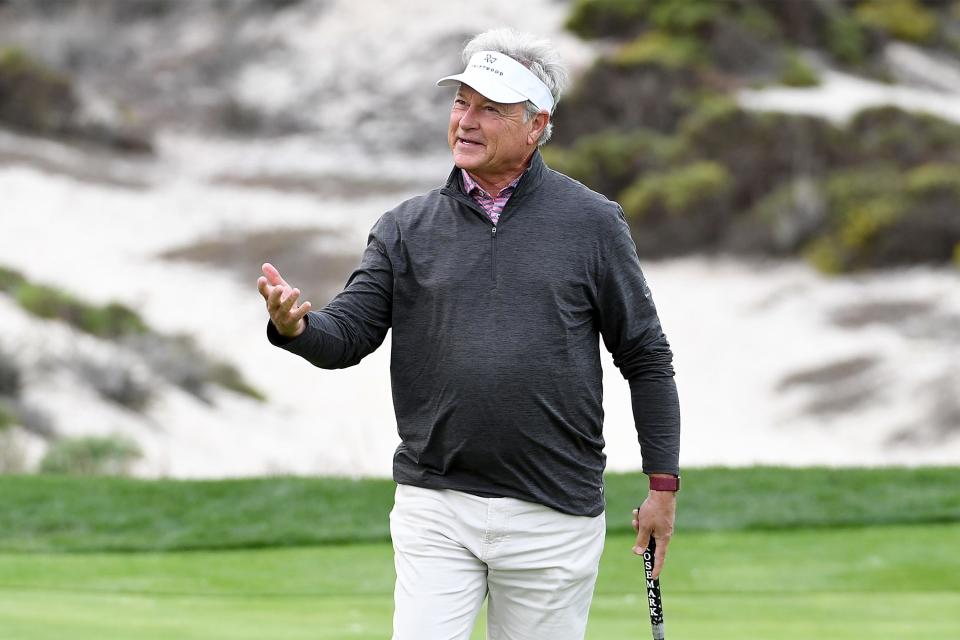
(285, 313)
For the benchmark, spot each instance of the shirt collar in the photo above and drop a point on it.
(469, 184)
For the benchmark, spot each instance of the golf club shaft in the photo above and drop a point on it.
(653, 591)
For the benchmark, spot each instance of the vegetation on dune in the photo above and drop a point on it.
(652, 125)
(33, 97)
(112, 320)
(175, 358)
(91, 455)
(6, 416)
(10, 377)
(37, 99)
(12, 413)
(796, 72)
(903, 19)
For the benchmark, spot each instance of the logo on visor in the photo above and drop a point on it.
(490, 59)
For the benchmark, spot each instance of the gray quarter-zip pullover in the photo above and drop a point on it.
(495, 362)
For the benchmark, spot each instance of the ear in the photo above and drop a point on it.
(540, 122)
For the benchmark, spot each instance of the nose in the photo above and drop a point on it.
(469, 119)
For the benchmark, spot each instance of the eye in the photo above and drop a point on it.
(490, 109)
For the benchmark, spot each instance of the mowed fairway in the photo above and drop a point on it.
(857, 583)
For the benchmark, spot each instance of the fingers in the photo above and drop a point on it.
(287, 299)
(660, 555)
(643, 539)
(273, 275)
(303, 310)
(273, 300)
(264, 287)
(282, 305)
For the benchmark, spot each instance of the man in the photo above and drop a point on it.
(497, 287)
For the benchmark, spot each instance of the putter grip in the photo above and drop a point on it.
(653, 591)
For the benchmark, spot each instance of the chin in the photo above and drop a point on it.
(465, 161)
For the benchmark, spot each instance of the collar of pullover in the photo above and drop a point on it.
(529, 180)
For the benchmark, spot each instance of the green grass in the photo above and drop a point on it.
(878, 582)
(59, 513)
(759, 553)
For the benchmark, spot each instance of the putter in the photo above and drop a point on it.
(653, 592)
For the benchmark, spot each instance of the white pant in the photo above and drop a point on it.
(451, 549)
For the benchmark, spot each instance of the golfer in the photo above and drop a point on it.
(498, 287)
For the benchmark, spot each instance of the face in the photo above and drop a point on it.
(490, 139)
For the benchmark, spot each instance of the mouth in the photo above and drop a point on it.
(469, 143)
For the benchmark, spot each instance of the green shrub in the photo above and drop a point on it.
(761, 150)
(825, 255)
(956, 255)
(91, 455)
(606, 18)
(891, 134)
(229, 377)
(109, 321)
(7, 418)
(934, 179)
(48, 302)
(659, 48)
(845, 39)
(33, 97)
(863, 205)
(10, 279)
(676, 191)
(610, 160)
(686, 16)
(758, 21)
(796, 72)
(902, 19)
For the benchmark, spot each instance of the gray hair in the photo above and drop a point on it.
(536, 54)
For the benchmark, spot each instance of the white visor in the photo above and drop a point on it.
(502, 79)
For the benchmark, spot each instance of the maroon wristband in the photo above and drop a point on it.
(665, 483)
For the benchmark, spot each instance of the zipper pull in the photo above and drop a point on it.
(493, 232)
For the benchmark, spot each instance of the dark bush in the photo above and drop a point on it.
(890, 134)
(644, 96)
(33, 97)
(10, 378)
(179, 361)
(607, 18)
(760, 150)
(117, 383)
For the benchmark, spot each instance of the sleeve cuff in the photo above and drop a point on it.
(278, 340)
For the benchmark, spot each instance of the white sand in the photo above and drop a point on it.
(738, 329)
